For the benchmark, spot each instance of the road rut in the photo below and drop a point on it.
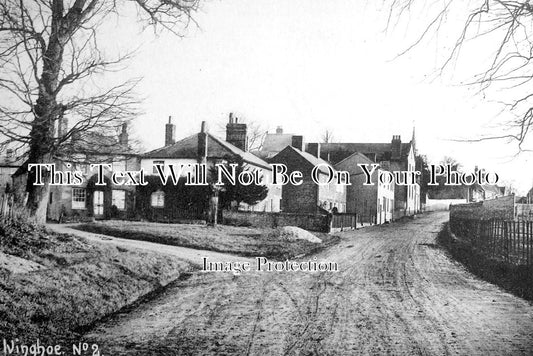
(396, 292)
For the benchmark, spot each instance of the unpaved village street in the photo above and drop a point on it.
(395, 293)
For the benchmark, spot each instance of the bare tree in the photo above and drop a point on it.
(507, 26)
(48, 56)
(256, 135)
(454, 164)
(327, 136)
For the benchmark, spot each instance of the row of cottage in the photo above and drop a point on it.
(376, 203)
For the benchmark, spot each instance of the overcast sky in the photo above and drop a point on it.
(312, 65)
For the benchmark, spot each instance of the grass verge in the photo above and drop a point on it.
(513, 278)
(244, 241)
(54, 285)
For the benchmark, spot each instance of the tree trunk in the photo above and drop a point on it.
(38, 200)
(47, 111)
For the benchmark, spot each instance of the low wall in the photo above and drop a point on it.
(442, 204)
(499, 208)
(310, 222)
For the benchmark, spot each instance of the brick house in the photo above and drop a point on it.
(203, 148)
(396, 156)
(372, 203)
(309, 197)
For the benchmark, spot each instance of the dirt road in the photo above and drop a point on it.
(395, 293)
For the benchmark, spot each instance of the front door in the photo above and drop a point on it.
(98, 203)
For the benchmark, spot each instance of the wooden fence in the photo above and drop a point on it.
(505, 240)
(344, 221)
(6, 206)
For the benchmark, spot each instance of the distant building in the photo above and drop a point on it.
(275, 142)
(397, 156)
(310, 197)
(480, 192)
(372, 203)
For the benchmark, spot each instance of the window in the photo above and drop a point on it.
(155, 164)
(78, 198)
(118, 198)
(158, 199)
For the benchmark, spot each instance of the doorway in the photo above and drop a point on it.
(98, 203)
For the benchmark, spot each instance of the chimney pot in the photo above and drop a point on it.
(123, 137)
(279, 130)
(170, 132)
(202, 146)
(236, 134)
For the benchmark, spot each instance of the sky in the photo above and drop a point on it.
(311, 66)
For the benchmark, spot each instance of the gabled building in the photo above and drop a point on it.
(203, 148)
(395, 155)
(273, 143)
(481, 192)
(310, 197)
(87, 200)
(373, 204)
(90, 200)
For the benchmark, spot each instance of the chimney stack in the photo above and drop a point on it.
(298, 142)
(314, 149)
(9, 155)
(236, 133)
(396, 147)
(123, 137)
(170, 132)
(62, 127)
(279, 130)
(202, 144)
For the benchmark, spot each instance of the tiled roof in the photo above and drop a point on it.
(97, 143)
(339, 151)
(364, 158)
(216, 148)
(312, 160)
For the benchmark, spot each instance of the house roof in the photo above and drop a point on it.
(312, 160)
(276, 142)
(364, 158)
(97, 144)
(492, 188)
(216, 148)
(339, 151)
